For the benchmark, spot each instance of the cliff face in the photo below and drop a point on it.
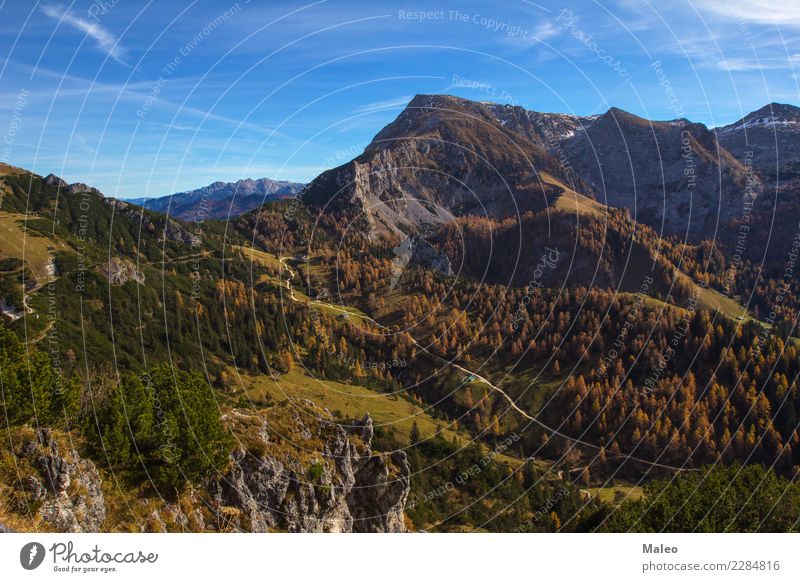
(672, 176)
(442, 157)
(294, 470)
(59, 487)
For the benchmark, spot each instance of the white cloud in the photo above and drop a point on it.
(388, 104)
(754, 11)
(545, 31)
(105, 40)
(753, 64)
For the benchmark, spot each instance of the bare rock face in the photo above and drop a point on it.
(672, 176)
(170, 230)
(446, 157)
(119, 271)
(80, 187)
(442, 157)
(65, 487)
(53, 180)
(296, 470)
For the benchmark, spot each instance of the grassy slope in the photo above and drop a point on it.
(616, 494)
(20, 243)
(393, 412)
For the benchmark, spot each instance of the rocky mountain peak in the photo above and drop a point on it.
(220, 199)
(768, 140)
(772, 115)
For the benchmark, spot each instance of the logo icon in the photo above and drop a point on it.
(31, 555)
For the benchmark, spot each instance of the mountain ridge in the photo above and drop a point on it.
(220, 199)
(445, 156)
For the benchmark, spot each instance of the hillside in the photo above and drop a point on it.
(455, 293)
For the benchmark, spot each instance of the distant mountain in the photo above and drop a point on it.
(769, 138)
(220, 200)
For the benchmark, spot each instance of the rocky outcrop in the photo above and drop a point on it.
(53, 180)
(296, 470)
(65, 487)
(170, 229)
(293, 470)
(119, 271)
(446, 157)
(80, 187)
(76, 188)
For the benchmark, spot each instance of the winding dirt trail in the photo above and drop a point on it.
(477, 376)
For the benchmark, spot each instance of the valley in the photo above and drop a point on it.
(456, 300)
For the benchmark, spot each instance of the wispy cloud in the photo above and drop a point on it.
(545, 31)
(754, 11)
(753, 64)
(387, 104)
(105, 40)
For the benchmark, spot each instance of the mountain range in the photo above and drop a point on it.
(576, 305)
(445, 156)
(220, 200)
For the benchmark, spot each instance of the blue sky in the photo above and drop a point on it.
(148, 98)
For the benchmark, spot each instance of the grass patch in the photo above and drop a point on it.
(616, 494)
(392, 412)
